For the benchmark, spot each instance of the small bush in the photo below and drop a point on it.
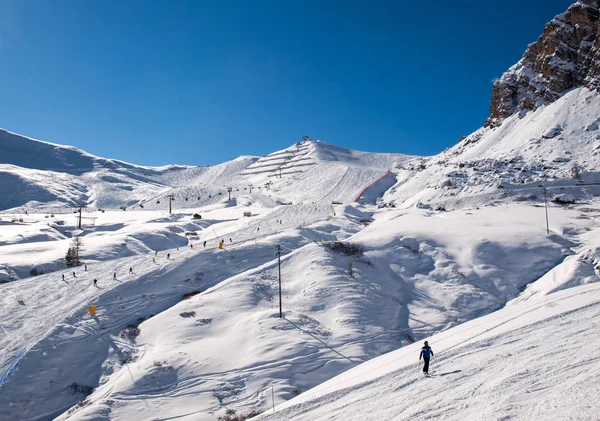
(77, 406)
(346, 249)
(81, 388)
(191, 294)
(130, 333)
(230, 415)
(206, 321)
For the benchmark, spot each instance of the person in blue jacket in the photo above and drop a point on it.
(426, 353)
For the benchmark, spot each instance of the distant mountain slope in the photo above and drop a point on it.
(309, 171)
(557, 145)
(41, 175)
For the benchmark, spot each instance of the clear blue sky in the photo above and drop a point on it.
(201, 82)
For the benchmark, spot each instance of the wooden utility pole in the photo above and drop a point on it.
(278, 248)
(171, 197)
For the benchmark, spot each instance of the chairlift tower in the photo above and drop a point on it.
(80, 209)
(171, 197)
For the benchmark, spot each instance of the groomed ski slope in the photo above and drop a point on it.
(536, 360)
(428, 271)
(40, 175)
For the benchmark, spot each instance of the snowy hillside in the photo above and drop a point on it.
(529, 361)
(41, 175)
(36, 175)
(513, 161)
(422, 272)
(490, 250)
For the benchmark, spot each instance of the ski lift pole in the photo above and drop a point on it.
(171, 197)
(546, 205)
(279, 268)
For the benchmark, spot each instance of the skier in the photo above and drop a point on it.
(95, 282)
(230, 240)
(156, 253)
(205, 244)
(130, 270)
(63, 277)
(426, 353)
(74, 275)
(115, 276)
(168, 255)
(191, 246)
(85, 268)
(154, 260)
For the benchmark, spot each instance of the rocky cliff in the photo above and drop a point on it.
(566, 56)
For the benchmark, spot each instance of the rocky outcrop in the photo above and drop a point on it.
(566, 56)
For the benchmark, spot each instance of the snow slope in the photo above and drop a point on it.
(446, 239)
(37, 175)
(534, 360)
(422, 272)
(512, 161)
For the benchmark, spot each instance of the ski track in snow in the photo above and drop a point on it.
(425, 273)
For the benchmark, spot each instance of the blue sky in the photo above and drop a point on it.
(201, 82)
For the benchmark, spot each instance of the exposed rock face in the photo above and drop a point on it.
(566, 56)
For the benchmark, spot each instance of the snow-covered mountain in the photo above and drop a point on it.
(564, 57)
(378, 251)
(37, 175)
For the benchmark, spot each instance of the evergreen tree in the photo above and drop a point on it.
(73, 252)
(70, 257)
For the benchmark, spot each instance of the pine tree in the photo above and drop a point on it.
(73, 253)
(69, 258)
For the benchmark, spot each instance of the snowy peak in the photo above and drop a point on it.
(30, 153)
(44, 176)
(564, 57)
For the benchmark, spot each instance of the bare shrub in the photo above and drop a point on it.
(230, 415)
(191, 294)
(81, 388)
(346, 249)
(77, 406)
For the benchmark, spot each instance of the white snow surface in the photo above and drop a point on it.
(40, 175)
(512, 161)
(531, 361)
(454, 249)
